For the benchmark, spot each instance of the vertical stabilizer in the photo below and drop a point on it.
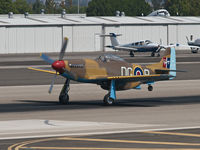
(169, 61)
(113, 38)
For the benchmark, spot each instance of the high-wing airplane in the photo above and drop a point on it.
(140, 46)
(111, 72)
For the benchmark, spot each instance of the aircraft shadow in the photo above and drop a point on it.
(34, 105)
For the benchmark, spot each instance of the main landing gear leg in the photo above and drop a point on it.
(132, 54)
(110, 98)
(152, 54)
(64, 97)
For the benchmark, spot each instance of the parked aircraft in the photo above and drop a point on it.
(160, 12)
(195, 46)
(111, 72)
(140, 46)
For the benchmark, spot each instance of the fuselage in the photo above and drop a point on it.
(97, 71)
(150, 47)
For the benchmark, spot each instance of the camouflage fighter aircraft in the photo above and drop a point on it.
(111, 72)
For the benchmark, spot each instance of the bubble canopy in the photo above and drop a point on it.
(109, 57)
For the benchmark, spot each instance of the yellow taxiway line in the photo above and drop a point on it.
(95, 148)
(174, 133)
(23, 145)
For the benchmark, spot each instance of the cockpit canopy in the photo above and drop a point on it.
(141, 43)
(109, 57)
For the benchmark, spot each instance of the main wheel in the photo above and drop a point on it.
(107, 100)
(132, 54)
(152, 54)
(150, 88)
(64, 99)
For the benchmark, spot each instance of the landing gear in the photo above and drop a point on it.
(150, 88)
(64, 97)
(152, 54)
(108, 100)
(158, 55)
(132, 54)
(194, 50)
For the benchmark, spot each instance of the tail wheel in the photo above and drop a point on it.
(150, 88)
(64, 99)
(107, 100)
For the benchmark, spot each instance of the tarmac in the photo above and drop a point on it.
(30, 118)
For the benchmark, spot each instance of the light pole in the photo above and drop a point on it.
(78, 6)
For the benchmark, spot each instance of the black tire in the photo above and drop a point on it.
(107, 100)
(152, 54)
(150, 88)
(64, 99)
(132, 54)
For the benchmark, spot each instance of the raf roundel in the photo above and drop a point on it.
(138, 71)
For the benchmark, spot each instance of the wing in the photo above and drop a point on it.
(123, 48)
(187, 46)
(42, 70)
(141, 78)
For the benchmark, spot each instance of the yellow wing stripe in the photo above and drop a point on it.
(127, 77)
(41, 70)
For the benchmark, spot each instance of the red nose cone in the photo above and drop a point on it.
(58, 65)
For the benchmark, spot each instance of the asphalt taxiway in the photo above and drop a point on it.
(30, 118)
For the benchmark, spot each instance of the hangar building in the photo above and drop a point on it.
(44, 33)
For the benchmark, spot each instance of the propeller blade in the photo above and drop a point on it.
(187, 39)
(46, 58)
(52, 83)
(64, 46)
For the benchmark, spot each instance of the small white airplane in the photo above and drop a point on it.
(140, 46)
(160, 12)
(193, 45)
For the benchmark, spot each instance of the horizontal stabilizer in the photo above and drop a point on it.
(161, 71)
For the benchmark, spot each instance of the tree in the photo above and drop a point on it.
(21, 6)
(6, 6)
(37, 6)
(50, 6)
(109, 7)
(156, 4)
(183, 7)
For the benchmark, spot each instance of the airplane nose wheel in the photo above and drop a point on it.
(150, 88)
(64, 97)
(107, 100)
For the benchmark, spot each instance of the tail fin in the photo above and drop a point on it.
(113, 38)
(167, 63)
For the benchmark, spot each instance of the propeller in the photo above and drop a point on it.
(58, 65)
(64, 46)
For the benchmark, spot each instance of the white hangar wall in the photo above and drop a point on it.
(40, 33)
(30, 39)
(83, 38)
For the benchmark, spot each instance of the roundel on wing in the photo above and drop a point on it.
(138, 71)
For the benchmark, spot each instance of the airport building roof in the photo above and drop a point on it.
(45, 19)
